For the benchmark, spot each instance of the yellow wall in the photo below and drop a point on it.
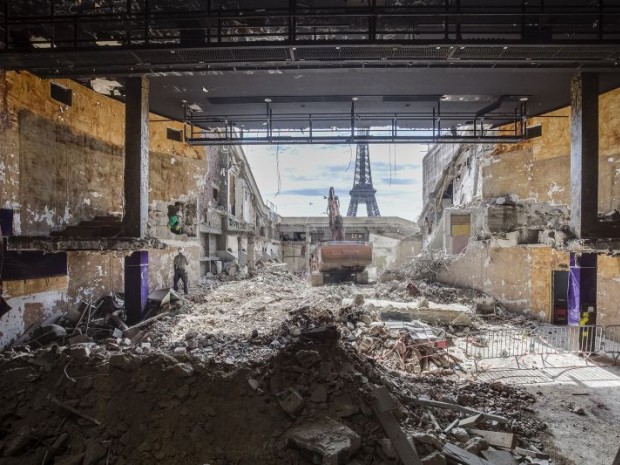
(62, 164)
(539, 169)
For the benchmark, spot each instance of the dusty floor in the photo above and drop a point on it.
(208, 384)
(577, 399)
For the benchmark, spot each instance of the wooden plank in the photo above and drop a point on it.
(496, 438)
(499, 457)
(404, 449)
(451, 425)
(462, 456)
(530, 453)
(470, 421)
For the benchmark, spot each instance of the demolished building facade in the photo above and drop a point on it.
(62, 157)
(501, 214)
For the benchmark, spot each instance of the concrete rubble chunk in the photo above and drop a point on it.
(182, 370)
(80, 352)
(434, 458)
(426, 438)
(334, 442)
(460, 434)
(291, 401)
(307, 358)
(476, 445)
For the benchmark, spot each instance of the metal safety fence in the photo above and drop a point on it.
(611, 341)
(544, 341)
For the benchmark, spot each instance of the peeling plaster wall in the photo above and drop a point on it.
(539, 169)
(501, 272)
(384, 250)
(162, 275)
(27, 310)
(63, 164)
(93, 275)
(608, 290)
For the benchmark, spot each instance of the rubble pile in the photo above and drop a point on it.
(425, 266)
(316, 401)
(263, 371)
(103, 321)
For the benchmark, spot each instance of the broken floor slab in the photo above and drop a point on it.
(428, 312)
(333, 441)
(59, 244)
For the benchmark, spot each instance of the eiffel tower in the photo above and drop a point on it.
(363, 191)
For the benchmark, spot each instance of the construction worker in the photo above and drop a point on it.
(174, 223)
(180, 262)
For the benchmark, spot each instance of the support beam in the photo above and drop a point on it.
(136, 157)
(136, 285)
(584, 154)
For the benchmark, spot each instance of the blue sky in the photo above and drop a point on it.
(307, 172)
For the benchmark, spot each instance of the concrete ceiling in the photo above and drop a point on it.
(376, 91)
(231, 57)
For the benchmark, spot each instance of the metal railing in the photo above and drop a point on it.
(611, 341)
(543, 341)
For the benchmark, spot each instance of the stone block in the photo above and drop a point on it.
(327, 438)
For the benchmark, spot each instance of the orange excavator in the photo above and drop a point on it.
(339, 260)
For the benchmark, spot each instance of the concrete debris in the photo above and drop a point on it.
(268, 370)
(291, 401)
(331, 440)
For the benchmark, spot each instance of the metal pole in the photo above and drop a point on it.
(352, 119)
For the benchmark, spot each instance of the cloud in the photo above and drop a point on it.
(312, 192)
(399, 182)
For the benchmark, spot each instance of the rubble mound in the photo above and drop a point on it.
(312, 402)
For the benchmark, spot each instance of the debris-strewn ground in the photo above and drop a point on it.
(267, 370)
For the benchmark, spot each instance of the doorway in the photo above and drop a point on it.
(559, 315)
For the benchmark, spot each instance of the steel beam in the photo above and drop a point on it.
(584, 154)
(136, 179)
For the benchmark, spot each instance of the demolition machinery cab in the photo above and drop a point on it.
(339, 260)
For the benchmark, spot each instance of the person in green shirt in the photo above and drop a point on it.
(174, 223)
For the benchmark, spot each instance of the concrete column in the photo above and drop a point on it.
(252, 253)
(584, 154)
(136, 157)
(136, 285)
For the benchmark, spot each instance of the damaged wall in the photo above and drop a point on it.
(61, 164)
(66, 162)
(501, 272)
(520, 207)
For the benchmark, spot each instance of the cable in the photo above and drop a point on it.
(350, 158)
(390, 162)
(278, 169)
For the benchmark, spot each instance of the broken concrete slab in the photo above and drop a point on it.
(499, 457)
(428, 312)
(496, 438)
(462, 456)
(334, 442)
(383, 405)
(434, 458)
(291, 401)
